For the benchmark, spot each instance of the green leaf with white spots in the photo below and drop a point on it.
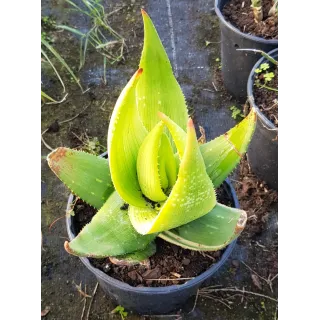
(125, 136)
(166, 192)
(148, 166)
(191, 197)
(178, 134)
(158, 90)
(137, 257)
(212, 232)
(86, 175)
(223, 154)
(109, 233)
(168, 168)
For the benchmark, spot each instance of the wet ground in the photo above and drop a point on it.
(184, 26)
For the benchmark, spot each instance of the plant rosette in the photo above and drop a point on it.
(157, 171)
(150, 300)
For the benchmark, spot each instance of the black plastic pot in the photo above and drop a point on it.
(160, 300)
(263, 149)
(236, 65)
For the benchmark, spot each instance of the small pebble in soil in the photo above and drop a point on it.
(54, 126)
(236, 263)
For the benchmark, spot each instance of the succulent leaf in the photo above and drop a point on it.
(178, 134)
(158, 90)
(137, 257)
(168, 167)
(166, 192)
(191, 197)
(148, 165)
(86, 175)
(212, 232)
(109, 233)
(222, 154)
(125, 136)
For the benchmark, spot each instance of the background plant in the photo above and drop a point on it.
(109, 43)
(46, 50)
(120, 310)
(158, 180)
(257, 8)
(264, 76)
(236, 113)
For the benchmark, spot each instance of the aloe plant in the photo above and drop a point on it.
(158, 181)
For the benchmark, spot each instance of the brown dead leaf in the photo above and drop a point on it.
(133, 275)
(177, 275)
(256, 281)
(82, 293)
(121, 262)
(152, 274)
(45, 311)
(202, 139)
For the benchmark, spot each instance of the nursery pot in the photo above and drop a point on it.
(145, 300)
(263, 149)
(236, 65)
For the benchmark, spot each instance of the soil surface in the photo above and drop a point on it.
(266, 99)
(169, 261)
(240, 14)
(64, 278)
(255, 198)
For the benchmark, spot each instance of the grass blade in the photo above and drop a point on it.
(44, 95)
(62, 61)
(54, 69)
(75, 31)
(105, 70)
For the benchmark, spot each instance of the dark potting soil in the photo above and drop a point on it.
(266, 99)
(169, 262)
(240, 14)
(255, 197)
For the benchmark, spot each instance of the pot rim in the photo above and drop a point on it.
(157, 290)
(274, 54)
(217, 5)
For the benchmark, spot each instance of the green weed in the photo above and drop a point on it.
(101, 36)
(120, 310)
(236, 113)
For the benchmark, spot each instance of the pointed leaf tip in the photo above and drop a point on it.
(214, 231)
(143, 12)
(136, 77)
(139, 72)
(161, 115)
(241, 223)
(67, 247)
(54, 158)
(86, 175)
(158, 90)
(190, 123)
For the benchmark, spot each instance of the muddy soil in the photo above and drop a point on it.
(64, 275)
